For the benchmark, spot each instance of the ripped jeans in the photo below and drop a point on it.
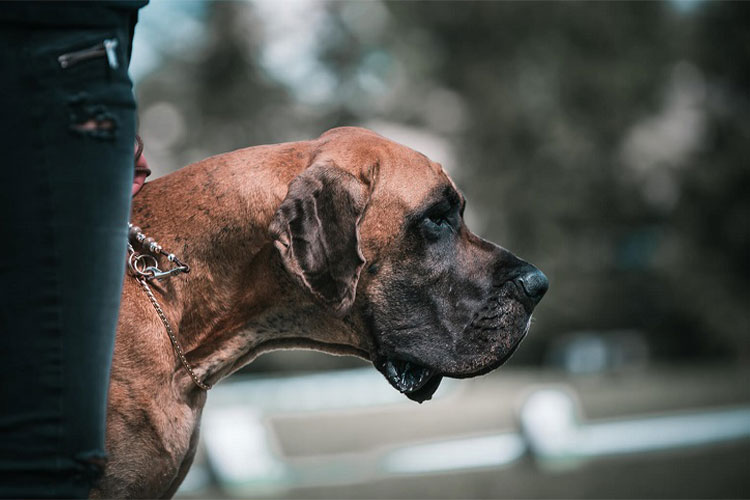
(67, 132)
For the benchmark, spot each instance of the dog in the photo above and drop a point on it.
(349, 244)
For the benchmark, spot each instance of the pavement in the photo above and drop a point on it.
(664, 432)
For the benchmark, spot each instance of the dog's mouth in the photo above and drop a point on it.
(490, 338)
(418, 382)
(415, 381)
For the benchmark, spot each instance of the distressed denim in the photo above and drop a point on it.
(67, 136)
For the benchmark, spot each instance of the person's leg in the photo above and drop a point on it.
(67, 139)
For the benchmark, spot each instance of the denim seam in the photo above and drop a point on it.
(46, 192)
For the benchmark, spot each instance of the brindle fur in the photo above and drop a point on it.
(312, 245)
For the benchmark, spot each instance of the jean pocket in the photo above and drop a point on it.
(92, 61)
(104, 50)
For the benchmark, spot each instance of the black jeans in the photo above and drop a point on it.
(67, 135)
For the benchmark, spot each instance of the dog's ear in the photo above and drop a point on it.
(316, 233)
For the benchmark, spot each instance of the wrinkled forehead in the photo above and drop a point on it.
(408, 184)
(408, 178)
(401, 175)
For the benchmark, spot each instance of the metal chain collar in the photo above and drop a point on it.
(143, 272)
(139, 262)
(171, 334)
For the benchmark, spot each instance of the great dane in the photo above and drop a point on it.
(349, 244)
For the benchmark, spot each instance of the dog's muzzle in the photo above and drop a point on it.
(487, 342)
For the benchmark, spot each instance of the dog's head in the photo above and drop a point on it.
(375, 230)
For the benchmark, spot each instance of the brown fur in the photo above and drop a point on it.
(245, 295)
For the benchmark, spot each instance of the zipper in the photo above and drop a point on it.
(107, 48)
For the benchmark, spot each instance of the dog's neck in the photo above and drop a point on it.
(237, 301)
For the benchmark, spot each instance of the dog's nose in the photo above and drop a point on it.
(534, 283)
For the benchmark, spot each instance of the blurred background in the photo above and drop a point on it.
(607, 143)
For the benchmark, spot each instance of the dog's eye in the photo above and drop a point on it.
(437, 225)
(439, 220)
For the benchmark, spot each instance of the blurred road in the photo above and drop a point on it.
(318, 437)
